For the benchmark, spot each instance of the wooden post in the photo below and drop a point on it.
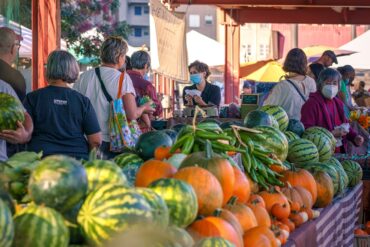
(35, 44)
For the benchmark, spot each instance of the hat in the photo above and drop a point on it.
(332, 55)
(247, 84)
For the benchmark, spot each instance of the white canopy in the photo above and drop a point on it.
(360, 60)
(204, 49)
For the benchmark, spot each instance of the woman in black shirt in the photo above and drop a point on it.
(210, 94)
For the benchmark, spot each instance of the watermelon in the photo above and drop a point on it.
(210, 126)
(180, 198)
(178, 127)
(323, 145)
(75, 231)
(40, 226)
(278, 113)
(181, 236)
(296, 127)
(291, 136)
(210, 120)
(160, 211)
(302, 151)
(11, 111)
(176, 159)
(272, 139)
(112, 209)
(330, 170)
(130, 164)
(8, 200)
(171, 133)
(149, 141)
(101, 172)
(59, 182)
(6, 225)
(258, 118)
(353, 170)
(227, 125)
(343, 178)
(213, 242)
(321, 130)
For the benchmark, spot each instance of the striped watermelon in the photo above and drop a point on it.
(343, 178)
(302, 151)
(321, 130)
(296, 127)
(59, 182)
(291, 136)
(279, 114)
(130, 164)
(6, 225)
(11, 111)
(272, 139)
(161, 215)
(112, 209)
(323, 145)
(214, 242)
(180, 198)
(330, 170)
(181, 236)
(39, 226)
(101, 172)
(354, 172)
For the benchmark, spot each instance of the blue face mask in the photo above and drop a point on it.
(146, 76)
(196, 78)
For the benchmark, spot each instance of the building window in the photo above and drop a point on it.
(267, 50)
(264, 26)
(146, 10)
(249, 50)
(208, 19)
(262, 50)
(137, 10)
(137, 31)
(194, 21)
(146, 32)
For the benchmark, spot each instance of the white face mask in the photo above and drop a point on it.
(329, 91)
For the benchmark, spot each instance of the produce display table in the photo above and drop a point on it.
(335, 225)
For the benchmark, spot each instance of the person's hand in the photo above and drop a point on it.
(160, 97)
(20, 135)
(148, 107)
(199, 100)
(339, 132)
(359, 140)
(189, 99)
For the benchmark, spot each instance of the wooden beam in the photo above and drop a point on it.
(300, 15)
(309, 3)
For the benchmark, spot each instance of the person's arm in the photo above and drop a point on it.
(215, 96)
(188, 100)
(94, 140)
(153, 95)
(146, 120)
(22, 134)
(133, 112)
(309, 114)
(90, 126)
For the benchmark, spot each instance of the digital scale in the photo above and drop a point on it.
(211, 111)
(250, 102)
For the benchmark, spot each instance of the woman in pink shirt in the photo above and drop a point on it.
(325, 109)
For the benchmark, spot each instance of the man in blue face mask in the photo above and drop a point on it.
(201, 92)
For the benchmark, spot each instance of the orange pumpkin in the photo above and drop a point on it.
(153, 170)
(242, 188)
(271, 197)
(257, 199)
(280, 211)
(278, 168)
(261, 214)
(293, 195)
(295, 206)
(309, 212)
(162, 152)
(367, 227)
(206, 187)
(253, 185)
(218, 166)
(301, 177)
(305, 195)
(298, 218)
(325, 189)
(243, 213)
(256, 237)
(214, 227)
(360, 232)
(288, 223)
(229, 217)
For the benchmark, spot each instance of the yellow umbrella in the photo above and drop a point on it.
(316, 49)
(262, 71)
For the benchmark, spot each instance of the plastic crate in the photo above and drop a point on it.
(361, 241)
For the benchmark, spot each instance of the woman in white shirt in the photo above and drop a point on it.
(293, 92)
(113, 56)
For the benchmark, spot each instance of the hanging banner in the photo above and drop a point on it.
(168, 42)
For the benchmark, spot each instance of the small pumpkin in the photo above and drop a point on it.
(253, 185)
(298, 218)
(305, 195)
(256, 237)
(309, 212)
(242, 188)
(293, 195)
(325, 189)
(206, 187)
(288, 223)
(243, 213)
(231, 219)
(214, 227)
(272, 197)
(257, 200)
(162, 152)
(153, 170)
(218, 166)
(261, 214)
(300, 177)
(280, 211)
